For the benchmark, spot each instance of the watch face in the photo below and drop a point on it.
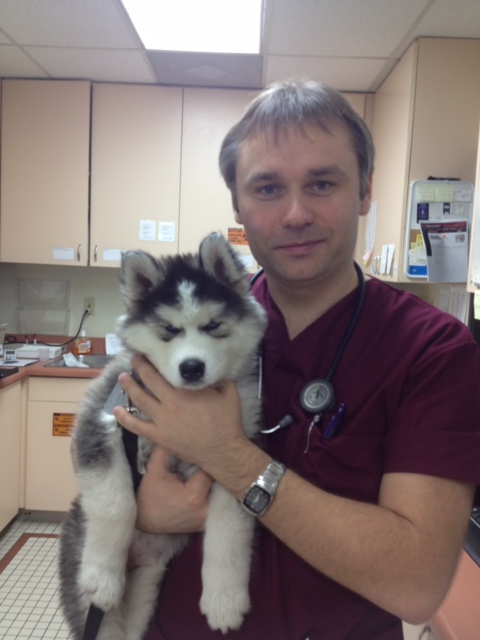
(257, 500)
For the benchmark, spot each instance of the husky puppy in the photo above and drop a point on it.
(193, 317)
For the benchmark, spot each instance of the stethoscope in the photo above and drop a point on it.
(318, 395)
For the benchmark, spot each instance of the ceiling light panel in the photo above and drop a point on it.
(210, 26)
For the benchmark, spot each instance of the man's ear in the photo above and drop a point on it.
(236, 212)
(367, 198)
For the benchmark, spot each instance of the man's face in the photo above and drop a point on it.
(298, 197)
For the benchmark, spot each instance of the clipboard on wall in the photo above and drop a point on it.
(433, 201)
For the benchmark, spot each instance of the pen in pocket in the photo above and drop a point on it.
(334, 424)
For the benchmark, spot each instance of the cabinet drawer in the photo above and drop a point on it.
(52, 389)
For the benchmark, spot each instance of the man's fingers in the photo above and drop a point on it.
(198, 487)
(157, 463)
(132, 423)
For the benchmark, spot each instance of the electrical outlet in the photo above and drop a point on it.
(89, 303)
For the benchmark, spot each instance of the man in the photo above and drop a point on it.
(367, 522)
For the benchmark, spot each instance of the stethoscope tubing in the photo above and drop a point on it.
(287, 420)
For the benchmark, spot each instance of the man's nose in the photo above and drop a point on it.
(297, 211)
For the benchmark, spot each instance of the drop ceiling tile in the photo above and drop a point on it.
(460, 19)
(370, 28)
(14, 63)
(94, 64)
(345, 74)
(207, 69)
(4, 39)
(70, 23)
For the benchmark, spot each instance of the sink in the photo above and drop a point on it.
(93, 361)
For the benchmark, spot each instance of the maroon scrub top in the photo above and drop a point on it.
(410, 382)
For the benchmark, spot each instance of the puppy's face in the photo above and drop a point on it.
(194, 343)
(192, 316)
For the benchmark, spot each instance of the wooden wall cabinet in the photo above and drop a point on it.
(425, 123)
(10, 451)
(45, 172)
(50, 481)
(205, 203)
(135, 181)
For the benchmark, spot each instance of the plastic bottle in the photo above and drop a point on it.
(82, 345)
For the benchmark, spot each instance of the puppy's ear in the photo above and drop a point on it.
(140, 273)
(222, 262)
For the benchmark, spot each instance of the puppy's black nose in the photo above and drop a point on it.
(192, 370)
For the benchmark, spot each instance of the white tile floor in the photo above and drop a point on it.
(29, 606)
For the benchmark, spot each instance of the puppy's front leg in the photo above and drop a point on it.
(226, 564)
(108, 502)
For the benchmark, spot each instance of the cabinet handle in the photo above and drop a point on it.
(79, 253)
(95, 253)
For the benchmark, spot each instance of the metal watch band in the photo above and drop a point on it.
(259, 495)
(271, 477)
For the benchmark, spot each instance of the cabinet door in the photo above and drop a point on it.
(135, 183)
(205, 203)
(10, 434)
(44, 172)
(50, 481)
(447, 100)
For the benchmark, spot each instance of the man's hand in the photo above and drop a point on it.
(167, 504)
(195, 426)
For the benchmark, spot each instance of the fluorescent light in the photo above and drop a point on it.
(215, 26)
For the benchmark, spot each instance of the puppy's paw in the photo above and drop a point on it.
(224, 609)
(103, 586)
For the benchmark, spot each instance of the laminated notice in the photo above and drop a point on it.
(62, 424)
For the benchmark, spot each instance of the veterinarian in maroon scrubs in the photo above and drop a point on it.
(367, 522)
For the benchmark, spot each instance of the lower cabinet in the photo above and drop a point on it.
(51, 407)
(10, 451)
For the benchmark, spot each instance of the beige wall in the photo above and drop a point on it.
(102, 284)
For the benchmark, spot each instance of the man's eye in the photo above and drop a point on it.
(322, 185)
(268, 190)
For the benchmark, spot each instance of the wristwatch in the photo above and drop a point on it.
(259, 495)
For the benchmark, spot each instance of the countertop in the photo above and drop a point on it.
(38, 369)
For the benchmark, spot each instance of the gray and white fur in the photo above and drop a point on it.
(194, 318)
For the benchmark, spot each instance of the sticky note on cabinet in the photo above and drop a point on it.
(444, 193)
(147, 230)
(166, 232)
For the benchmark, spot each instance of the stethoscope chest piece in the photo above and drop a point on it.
(317, 396)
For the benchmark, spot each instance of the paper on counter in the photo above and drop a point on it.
(71, 361)
(18, 363)
(112, 344)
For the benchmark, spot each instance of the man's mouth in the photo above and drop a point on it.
(300, 248)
